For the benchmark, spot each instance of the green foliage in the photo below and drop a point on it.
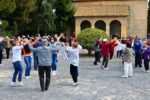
(87, 37)
(6, 8)
(4, 24)
(64, 13)
(15, 28)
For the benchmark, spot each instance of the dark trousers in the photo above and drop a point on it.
(97, 57)
(7, 52)
(138, 60)
(146, 64)
(1, 56)
(105, 61)
(74, 73)
(44, 70)
(111, 54)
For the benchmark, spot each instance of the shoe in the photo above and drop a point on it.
(125, 76)
(106, 68)
(75, 84)
(21, 84)
(27, 77)
(1, 65)
(147, 71)
(13, 84)
(53, 73)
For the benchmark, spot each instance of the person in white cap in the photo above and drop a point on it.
(105, 53)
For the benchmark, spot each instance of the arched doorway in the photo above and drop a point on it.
(100, 25)
(115, 28)
(85, 24)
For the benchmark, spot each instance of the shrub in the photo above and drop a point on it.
(87, 37)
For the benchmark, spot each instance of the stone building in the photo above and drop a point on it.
(120, 17)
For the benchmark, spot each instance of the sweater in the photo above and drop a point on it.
(44, 54)
(16, 53)
(128, 55)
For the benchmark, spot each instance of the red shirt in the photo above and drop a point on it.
(105, 48)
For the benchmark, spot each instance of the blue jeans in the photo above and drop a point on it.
(17, 70)
(35, 57)
(28, 61)
(54, 62)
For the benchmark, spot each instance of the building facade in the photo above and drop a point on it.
(116, 17)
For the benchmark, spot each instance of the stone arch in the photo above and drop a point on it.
(85, 24)
(100, 25)
(115, 28)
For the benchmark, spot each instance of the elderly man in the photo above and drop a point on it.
(44, 53)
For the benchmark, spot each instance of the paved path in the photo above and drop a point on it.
(94, 84)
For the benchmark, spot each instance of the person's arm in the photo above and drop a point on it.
(35, 41)
(32, 49)
(79, 47)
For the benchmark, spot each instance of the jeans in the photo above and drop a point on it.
(128, 70)
(17, 70)
(97, 57)
(35, 58)
(28, 61)
(119, 53)
(54, 62)
(44, 70)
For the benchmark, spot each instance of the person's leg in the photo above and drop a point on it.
(30, 64)
(106, 62)
(1, 56)
(146, 64)
(111, 54)
(126, 69)
(20, 71)
(35, 58)
(41, 76)
(96, 58)
(74, 73)
(117, 53)
(26, 59)
(7, 52)
(130, 70)
(48, 78)
(15, 71)
(136, 60)
(140, 60)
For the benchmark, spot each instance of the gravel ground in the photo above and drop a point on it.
(94, 83)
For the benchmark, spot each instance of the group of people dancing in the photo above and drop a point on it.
(44, 50)
(126, 49)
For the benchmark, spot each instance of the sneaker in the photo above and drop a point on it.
(1, 65)
(21, 84)
(27, 77)
(75, 84)
(106, 68)
(13, 84)
(147, 71)
(125, 76)
(53, 73)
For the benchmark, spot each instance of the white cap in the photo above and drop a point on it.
(104, 39)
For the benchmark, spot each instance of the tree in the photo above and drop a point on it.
(6, 8)
(87, 37)
(43, 17)
(64, 14)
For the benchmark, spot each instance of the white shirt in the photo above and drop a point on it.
(16, 53)
(74, 55)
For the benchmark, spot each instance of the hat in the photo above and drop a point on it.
(104, 40)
